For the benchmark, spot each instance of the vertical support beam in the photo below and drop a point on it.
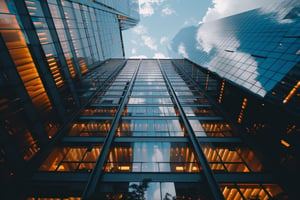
(121, 36)
(237, 127)
(99, 35)
(67, 31)
(59, 50)
(16, 82)
(208, 173)
(39, 59)
(95, 175)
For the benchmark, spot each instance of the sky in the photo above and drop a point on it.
(160, 21)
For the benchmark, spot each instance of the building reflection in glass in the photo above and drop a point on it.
(152, 157)
(159, 127)
(254, 49)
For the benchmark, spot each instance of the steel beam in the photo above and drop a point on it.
(94, 178)
(39, 59)
(59, 50)
(208, 173)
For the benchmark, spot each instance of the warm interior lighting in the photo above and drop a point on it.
(285, 143)
(179, 168)
(20, 53)
(244, 104)
(292, 92)
(124, 168)
(221, 91)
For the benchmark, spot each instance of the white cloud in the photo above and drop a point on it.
(182, 51)
(146, 6)
(146, 10)
(151, 1)
(149, 42)
(189, 22)
(159, 55)
(140, 29)
(133, 51)
(133, 41)
(139, 56)
(167, 11)
(208, 36)
(163, 40)
(223, 8)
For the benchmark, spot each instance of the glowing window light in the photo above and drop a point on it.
(221, 91)
(292, 92)
(179, 168)
(285, 143)
(244, 104)
(124, 168)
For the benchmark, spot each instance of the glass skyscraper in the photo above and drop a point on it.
(257, 50)
(79, 121)
(150, 131)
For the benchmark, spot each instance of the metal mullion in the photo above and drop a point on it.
(221, 161)
(208, 173)
(81, 161)
(39, 59)
(243, 160)
(205, 119)
(266, 191)
(95, 117)
(63, 158)
(219, 140)
(36, 128)
(207, 96)
(149, 105)
(69, 38)
(151, 117)
(239, 191)
(65, 126)
(95, 175)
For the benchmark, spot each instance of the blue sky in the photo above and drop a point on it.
(160, 20)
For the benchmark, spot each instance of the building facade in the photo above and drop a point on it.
(257, 50)
(45, 49)
(149, 131)
(249, 64)
(78, 121)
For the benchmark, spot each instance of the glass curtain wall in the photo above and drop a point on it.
(150, 137)
(206, 122)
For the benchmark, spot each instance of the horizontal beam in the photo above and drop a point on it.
(97, 140)
(66, 177)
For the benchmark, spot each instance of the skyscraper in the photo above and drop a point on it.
(45, 49)
(78, 121)
(151, 131)
(257, 50)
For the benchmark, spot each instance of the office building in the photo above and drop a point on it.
(45, 49)
(78, 121)
(257, 50)
(150, 130)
